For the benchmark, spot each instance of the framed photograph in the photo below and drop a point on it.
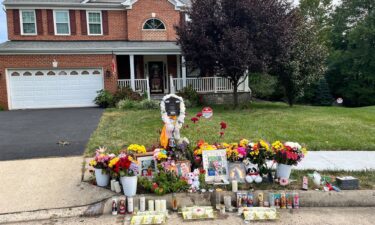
(183, 168)
(237, 172)
(216, 165)
(147, 165)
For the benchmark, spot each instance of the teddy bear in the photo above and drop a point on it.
(253, 175)
(193, 180)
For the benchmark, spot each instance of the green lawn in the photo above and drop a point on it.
(320, 128)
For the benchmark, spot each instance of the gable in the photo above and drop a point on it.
(178, 4)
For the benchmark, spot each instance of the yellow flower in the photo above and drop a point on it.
(137, 148)
(93, 162)
(113, 162)
(304, 151)
(264, 144)
(244, 142)
(277, 145)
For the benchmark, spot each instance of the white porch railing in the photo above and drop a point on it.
(141, 85)
(209, 84)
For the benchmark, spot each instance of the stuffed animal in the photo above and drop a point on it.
(193, 180)
(253, 174)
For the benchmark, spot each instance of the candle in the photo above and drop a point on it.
(151, 205)
(163, 205)
(113, 185)
(117, 187)
(234, 186)
(157, 205)
(142, 204)
(130, 205)
(228, 202)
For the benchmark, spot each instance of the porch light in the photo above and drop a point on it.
(108, 73)
(55, 63)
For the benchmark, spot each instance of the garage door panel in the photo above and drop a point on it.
(55, 90)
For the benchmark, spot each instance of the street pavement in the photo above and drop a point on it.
(26, 134)
(303, 216)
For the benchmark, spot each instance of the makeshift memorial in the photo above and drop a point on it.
(237, 172)
(114, 206)
(236, 152)
(183, 168)
(215, 164)
(147, 165)
(260, 213)
(100, 164)
(198, 213)
(173, 115)
(259, 153)
(286, 155)
(122, 205)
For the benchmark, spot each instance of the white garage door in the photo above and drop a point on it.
(34, 89)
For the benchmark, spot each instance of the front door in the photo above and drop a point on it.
(156, 73)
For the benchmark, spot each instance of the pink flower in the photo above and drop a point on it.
(241, 151)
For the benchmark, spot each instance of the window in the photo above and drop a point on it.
(62, 73)
(74, 73)
(154, 24)
(51, 73)
(28, 22)
(96, 72)
(27, 73)
(85, 72)
(94, 23)
(39, 73)
(15, 74)
(62, 22)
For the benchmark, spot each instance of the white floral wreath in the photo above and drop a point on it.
(164, 114)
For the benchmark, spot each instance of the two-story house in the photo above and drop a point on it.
(60, 53)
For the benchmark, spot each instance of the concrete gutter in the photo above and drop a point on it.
(359, 198)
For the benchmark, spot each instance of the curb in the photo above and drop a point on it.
(358, 198)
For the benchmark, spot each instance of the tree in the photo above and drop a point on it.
(323, 95)
(351, 73)
(235, 38)
(306, 63)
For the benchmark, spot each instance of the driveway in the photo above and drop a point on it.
(26, 134)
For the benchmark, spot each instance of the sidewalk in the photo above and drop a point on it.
(338, 160)
(29, 185)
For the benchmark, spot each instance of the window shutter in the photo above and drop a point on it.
(39, 21)
(105, 22)
(83, 22)
(16, 22)
(73, 26)
(51, 30)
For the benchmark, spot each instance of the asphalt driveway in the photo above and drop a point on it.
(26, 134)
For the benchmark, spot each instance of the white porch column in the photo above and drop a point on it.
(178, 66)
(132, 72)
(183, 67)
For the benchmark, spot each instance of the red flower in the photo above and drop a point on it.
(194, 119)
(199, 114)
(154, 186)
(200, 143)
(221, 134)
(223, 125)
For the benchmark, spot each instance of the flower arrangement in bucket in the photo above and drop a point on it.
(100, 164)
(127, 168)
(259, 153)
(286, 155)
(136, 149)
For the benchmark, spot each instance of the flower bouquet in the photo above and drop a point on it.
(100, 164)
(136, 149)
(259, 153)
(287, 154)
(127, 168)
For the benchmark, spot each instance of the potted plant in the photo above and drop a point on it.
(286, 155)
(259, 153)
(100, 164)
(127, 168)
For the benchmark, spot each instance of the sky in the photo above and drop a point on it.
(3, 26)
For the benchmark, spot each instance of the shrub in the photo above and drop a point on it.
(104, 99)
(149, 104)
(265, 86)
(126, 93)
(127, 104)
(190, 96)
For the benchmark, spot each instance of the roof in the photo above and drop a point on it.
(89, 47)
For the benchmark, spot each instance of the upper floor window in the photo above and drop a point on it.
(154, 24)
(62, 23)
(94, 22)
(28, 22)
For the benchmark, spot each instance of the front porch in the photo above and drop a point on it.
(163, 74)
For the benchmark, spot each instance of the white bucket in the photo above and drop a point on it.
(283, 171)
(102, 180)
(129, 185)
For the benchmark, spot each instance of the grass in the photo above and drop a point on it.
(320, 128)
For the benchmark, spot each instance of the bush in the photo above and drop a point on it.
(104, 99)
(127, 104)
(265, 86)
(130, 104)
(149, 104)
(127, 93)
(190, 96)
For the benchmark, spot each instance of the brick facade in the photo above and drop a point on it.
(45, 62)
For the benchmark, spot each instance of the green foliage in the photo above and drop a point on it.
(190, 96)
(163, 183)
(144, 104)
(104, 99)
(127, 93)
(351, 72)
(265, 86)
(323, 95)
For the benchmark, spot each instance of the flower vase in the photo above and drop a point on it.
(283, 170)
(129, 185)
(102, 179)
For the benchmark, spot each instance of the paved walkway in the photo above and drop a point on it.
(339, 160)
(48, 183)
